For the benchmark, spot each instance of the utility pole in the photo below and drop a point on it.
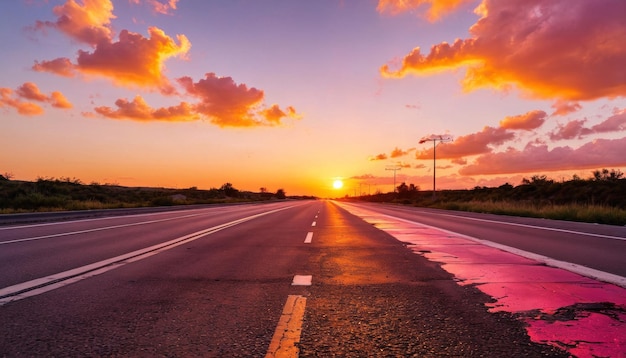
(395, 168)
(434, 138)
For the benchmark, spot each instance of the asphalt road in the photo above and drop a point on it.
(213, 283)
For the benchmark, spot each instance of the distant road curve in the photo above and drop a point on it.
(600, 247)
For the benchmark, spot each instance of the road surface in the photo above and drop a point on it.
(294, 277)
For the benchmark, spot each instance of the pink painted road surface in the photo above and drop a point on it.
(578, 314)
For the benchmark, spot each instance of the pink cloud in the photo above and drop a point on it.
(30, 90)
(163, 7)
(528, 121)
(533, 158)
(576, 128)
(564, 49)
(60, 66)
(471, 144)
(562, 108)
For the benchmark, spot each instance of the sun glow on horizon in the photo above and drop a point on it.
(338, 184)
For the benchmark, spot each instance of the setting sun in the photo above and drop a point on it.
(338, 184)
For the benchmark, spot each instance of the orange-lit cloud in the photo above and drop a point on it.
(562, 108)
(139, 110)
(134, 59)
(563, 49)
(7, 99)
(58, 100)
(435, 9)
(528, 121)
(87, 22)
(228, 104)
(596, 154)
(397, 152)
(576, 128)
(381, 156)
(30, 92)
(471, 144)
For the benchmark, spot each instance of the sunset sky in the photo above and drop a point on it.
(298, 94)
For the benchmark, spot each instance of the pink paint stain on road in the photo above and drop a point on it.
(583, 316)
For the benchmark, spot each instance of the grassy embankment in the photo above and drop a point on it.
(50, 194)
(600, 199)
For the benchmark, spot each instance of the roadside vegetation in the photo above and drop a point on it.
(598, 199)
(59, 194)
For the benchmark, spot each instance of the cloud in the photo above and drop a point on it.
(576, 128)
(139, 110)
(164, 7)
(436, 9)
(30, 91)
(562, 108)
(397, 152)
(471, 144)
(88, 22)
(596, 154)
(528, 121)
(58, 100)
(563, 49)
(228, 104)
(570, 130)
(381, 156)
(24, 108)
(134, 59)
(61, 66)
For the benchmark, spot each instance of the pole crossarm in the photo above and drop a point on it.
(395, 168)
(441, 138)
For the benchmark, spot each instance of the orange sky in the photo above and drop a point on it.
(294, 96)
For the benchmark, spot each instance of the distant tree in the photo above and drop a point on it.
(263, 189)
(6, 176)
(607, 175)
(280, 194)
(229, 190)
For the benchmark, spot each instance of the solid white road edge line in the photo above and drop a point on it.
(288, 330)
(48, 283)
(94, 229)
(569, 266)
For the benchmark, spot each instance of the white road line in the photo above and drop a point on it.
(309, 238)
(288, 330)
(314, 223)
(44, 284)
(569, 266)
(94, 230)
(302, 280)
